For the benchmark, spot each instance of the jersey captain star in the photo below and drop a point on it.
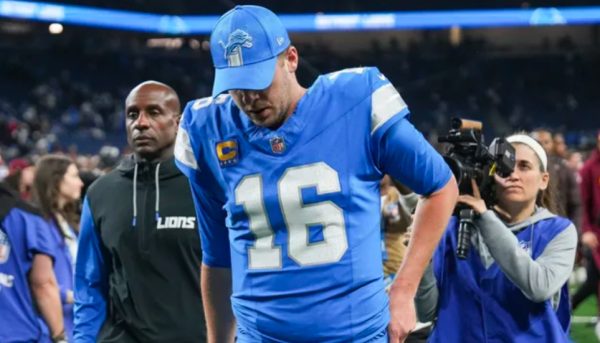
(295, 212)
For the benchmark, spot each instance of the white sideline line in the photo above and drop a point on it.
(584, 319)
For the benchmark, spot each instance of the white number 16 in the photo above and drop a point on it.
(264, 254)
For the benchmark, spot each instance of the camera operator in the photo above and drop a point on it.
(511, 286)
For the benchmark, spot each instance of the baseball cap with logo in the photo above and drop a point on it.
(244, 45)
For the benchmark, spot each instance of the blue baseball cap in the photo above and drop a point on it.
(244, 45)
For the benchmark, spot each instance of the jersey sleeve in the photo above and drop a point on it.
(214, 233)
(91, 281)
(38, 233)
(398, 148)
(209, 207)
(185, 154)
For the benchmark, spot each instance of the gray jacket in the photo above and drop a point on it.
(538, 279)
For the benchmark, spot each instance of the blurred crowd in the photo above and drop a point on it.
(18, 174)
(66, 94)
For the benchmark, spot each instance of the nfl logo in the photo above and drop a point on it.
(277, 145)
(4, 247)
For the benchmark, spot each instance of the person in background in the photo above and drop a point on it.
(564, 187)
(20, 177)
(56, 191)
(3, 169)
(590, 196)
(586, 272)
(396, 217)
(575, 163)
(107, 159)
(512, 285)
(560, 146)
(398, 206)
(138, 267)
(28, 287)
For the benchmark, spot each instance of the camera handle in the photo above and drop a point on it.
(465, 228)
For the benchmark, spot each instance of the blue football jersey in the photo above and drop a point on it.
(23, 234)
(295, 212)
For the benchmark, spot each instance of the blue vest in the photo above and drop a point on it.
(482, 305)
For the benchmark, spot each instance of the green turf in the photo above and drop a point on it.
(584, 333)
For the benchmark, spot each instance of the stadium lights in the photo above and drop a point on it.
(455, 35)
(203, 24)
(55, 28)
(165, 43)
(194, 44)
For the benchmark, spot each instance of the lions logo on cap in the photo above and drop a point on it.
(233, 48)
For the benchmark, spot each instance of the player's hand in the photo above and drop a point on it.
(474, 201)
(589, 239)
(403, 315)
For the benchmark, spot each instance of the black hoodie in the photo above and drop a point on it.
(144, 216)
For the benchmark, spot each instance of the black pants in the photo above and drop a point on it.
(590, 286)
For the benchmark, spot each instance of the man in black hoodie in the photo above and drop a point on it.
(138, 264)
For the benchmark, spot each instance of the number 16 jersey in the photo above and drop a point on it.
(295, 212)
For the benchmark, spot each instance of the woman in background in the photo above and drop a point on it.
(56, 190)
(511, 287)
(20, 177)
(398, 203)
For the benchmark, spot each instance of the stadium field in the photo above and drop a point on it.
(582, 327)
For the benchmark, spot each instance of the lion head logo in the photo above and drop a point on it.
(233, 48)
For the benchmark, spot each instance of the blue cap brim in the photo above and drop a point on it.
(256, 76)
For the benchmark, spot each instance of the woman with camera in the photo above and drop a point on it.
(511, 287)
